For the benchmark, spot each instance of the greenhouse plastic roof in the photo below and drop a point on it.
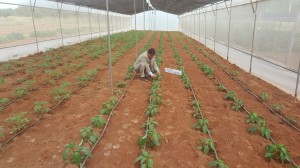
(127, 6)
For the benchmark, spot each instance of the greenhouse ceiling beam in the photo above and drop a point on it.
(176, 7)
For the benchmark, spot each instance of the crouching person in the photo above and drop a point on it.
(146, 65)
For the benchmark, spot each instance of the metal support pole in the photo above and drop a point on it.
(135, 29)
(194, 25)
(229, 29)
(167, 23)
(199, 25)
(77, 13)
(216, 14)
(89, 13)
(32, 13)
(226, 7)
(108, 34)
(59, 15)
(252, 6)
(297, 83)
(253, 36)
(144, 14)
(205, 25)
(98, 14)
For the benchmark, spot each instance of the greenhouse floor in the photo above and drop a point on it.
(41, 77)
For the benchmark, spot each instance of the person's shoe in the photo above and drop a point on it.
(143, 78)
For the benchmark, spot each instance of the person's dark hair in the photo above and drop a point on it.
(151, 51)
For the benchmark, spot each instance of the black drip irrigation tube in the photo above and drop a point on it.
(280, 115)
(39, 119)
(248, 112)
(109, 117)
(208, 132)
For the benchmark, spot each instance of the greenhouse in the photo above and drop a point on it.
(149, 83)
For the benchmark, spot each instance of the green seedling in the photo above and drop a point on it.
(276, 107)
(98, 121)
(19, 63)
(277, 152)
(152, 139)
(2, 80)
(118, 92)
(235, 73)
(61, 92)
(221, 87)
(130, 68)
(151, 110)
(258, 123)
(121, 84)
(54, 74)
(3, 100)
(264, 96)
(218, 163)
(207, 69)
(91, 72)
(230, 95)
(207, 146)
(197, 107)
(107, 106)
(71, 67)
(237, 104)
(145, 160)
(29, 84)
(40, 107)
(7, 67)
(291, 120)
(1, 131)
(19, 92)
(156, 99)
(151, 123)
(58, 57)
(253, 118)
(18, 121)
(89, 134)
(82, 81)
(202, 124)
(75, 154)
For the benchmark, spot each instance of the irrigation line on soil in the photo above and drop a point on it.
(215, 150)
(280, 115)
(248, 112)
(194, 95)
(104, 129)
(40, 118)
(271, 139)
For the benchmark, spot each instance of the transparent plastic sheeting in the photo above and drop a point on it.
(276, 38)
(51, 25)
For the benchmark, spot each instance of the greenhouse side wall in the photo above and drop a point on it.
(262, 38)
(30, 28)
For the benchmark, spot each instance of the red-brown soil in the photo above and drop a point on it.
(43, 144)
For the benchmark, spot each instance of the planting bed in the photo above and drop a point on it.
(206, 104)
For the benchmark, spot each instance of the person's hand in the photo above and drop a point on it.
(154, 76)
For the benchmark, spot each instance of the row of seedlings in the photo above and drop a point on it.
(53, 76)
(152, 137)
(263, 97)
(79, 153)
(207, 145)
(14, 66)
(59, 95)
(18, 121)
(258, 124)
